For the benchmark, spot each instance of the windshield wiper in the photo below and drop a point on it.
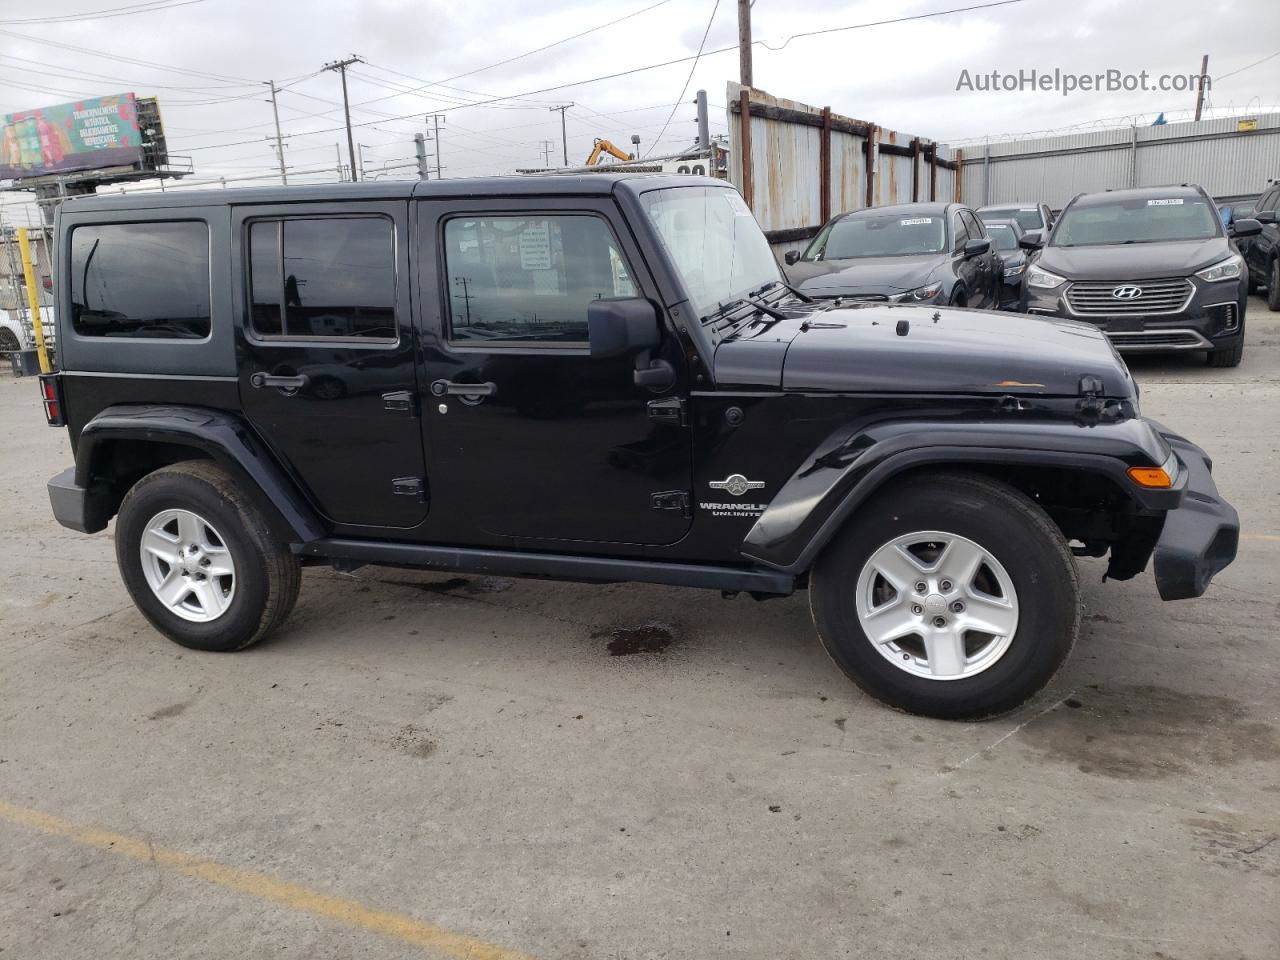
(802, 297)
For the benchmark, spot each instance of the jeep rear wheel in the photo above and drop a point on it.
(953, 597)
(200, 561)
(1273, 287)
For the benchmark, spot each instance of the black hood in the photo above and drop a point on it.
(882, 276)
(1134, 261)
(940, 350)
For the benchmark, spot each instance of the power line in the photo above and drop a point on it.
(1249, 67)
(685, 89)
(885, 23)
(154, 6)
(132, 60)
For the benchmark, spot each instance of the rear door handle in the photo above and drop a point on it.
(448, 388)
(282, 383)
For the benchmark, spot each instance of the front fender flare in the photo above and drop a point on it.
(855, 461)
(227, 439)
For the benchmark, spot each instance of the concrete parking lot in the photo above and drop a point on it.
(420, 764)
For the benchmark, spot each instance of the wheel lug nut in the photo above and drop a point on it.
(917, 609)
(939, 621)
(944, 586)
(921, 586)
(957, 607)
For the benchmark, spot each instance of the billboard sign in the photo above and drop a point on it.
(84, 135)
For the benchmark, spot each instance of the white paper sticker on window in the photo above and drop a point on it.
(1177, 202)
(915, 220)
(535, 246)
(737, 204)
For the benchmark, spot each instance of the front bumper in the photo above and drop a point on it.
(1200, 536)
(1212, 318)
(77, 508)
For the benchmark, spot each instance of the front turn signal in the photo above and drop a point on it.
(1154, 477)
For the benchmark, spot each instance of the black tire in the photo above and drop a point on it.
(1014, 530)
(1227, 356)
(958, 299)
(8, 341)
(267, 575)
(1273, 287)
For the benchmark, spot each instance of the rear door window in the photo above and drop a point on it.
(323, 277)
(142, 280)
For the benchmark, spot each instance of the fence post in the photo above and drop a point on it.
(958, 159)
(915, 169)
(824, 167)
(1133, 155)
(986, 173)
(744, 108)
(871, 164)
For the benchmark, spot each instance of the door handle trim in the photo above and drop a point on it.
(448, 388)
(280, 383)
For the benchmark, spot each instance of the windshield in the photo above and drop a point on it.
(1137, 220)
(1002, 236)
(714, 243)
(893, 236)
(1028, 217)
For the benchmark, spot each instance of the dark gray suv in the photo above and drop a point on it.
(1153, 267)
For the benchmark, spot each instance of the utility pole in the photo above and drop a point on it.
(338, 149)
(341, 67)
(1204, 72)
(564, 137)
(546, 152)
(420, 152)
(744, 43)
(437, 118)
(275, 112)
(704, 121)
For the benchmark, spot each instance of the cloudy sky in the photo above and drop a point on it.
(480, 65)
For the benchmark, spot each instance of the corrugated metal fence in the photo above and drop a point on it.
(798, 165)
(1229, 157)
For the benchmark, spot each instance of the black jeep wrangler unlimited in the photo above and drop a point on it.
(598, 378)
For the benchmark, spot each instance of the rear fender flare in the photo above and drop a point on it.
(855, 462)
(225, 438)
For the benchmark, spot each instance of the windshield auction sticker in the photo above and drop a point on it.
(913, 221)
(1176, 202)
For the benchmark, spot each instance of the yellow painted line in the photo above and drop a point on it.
(393, 926)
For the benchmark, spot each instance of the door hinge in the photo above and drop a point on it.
(407, 487)
(668, 410)
(670, 500)
(398, 400)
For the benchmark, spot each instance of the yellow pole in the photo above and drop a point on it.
(33, 298)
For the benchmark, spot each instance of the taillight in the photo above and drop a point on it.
(51, 394)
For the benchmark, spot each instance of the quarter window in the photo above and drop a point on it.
(529, 277)
(323, 277)
(143, 280)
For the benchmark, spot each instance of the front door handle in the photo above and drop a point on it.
(281, 383)
(448, 388)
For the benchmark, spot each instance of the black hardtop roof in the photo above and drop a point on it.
(586, 184)
(1186, 191)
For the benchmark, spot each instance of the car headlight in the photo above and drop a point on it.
(1228, 269)
(1042, 278)
(1014, 271)
(918, 294)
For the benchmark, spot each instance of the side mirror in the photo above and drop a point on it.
(1248, 227)
(622, 327)
(793, 256)
(1262, 216)
(1031, 240)
(976, 246)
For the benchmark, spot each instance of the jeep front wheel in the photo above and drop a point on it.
(953, 597)
(200, 561)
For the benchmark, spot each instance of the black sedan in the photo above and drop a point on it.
(909, 253)
(1036, 219)
(1007, 235)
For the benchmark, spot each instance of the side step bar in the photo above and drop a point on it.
(554, 566)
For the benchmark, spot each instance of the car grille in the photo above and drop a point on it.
(1159, 340)
(1091, 298)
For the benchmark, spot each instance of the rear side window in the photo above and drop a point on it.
(323, 277)
(529, 277)
(146, 280)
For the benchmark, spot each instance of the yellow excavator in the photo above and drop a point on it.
(601, 148)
